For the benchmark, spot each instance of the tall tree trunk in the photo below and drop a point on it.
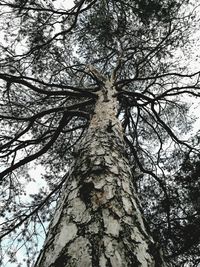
(97, 221)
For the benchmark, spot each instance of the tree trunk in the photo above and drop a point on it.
(97, 221)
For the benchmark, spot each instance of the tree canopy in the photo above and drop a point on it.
(48, 96)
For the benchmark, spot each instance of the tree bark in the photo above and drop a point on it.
(98, 222)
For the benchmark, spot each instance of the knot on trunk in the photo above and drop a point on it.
(86, 192)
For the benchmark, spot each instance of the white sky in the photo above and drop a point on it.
(64, 4)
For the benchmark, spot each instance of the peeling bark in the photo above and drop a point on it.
(97, 222)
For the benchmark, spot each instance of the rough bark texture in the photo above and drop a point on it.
(98, 222)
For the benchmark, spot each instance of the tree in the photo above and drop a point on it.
(94, 92)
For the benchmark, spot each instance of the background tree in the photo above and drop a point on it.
(48, 96)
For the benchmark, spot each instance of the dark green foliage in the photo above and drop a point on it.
(182, 235)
